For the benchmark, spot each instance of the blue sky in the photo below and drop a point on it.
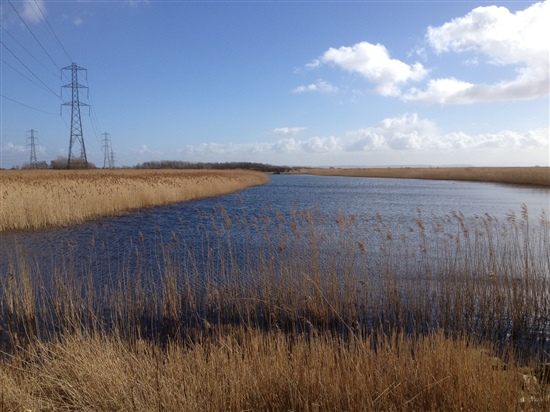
(300, 83)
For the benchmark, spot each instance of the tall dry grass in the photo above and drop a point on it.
(297, 312)
(514, 175)
(34, 199)
(250, 370)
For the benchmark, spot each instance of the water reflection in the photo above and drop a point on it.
(107, 245)
(369, 252)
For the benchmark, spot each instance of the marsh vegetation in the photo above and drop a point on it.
(36, 199)
(302, 312)
(537, 176)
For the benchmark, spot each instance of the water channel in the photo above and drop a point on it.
(395, 201)
(317, 223)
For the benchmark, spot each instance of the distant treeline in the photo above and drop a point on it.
(61, 163)
(57, 164)
(178, 164)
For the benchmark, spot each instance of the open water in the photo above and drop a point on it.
(298, 225)
(108, 245)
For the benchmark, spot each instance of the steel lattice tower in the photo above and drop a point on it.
(32, 145)
(109, 157)
(76, 121)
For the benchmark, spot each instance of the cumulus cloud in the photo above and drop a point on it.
(320, 86)
(405, 132)
(16, 154)
(373, 62)
(519, 39)
(504, 37)
(31, 11)
(314, 144)
(146, 150)
(444, 91)
(288, 131)
(409, 132)
(13, 148)
(318, 144)
(313, 64)
(487, 36)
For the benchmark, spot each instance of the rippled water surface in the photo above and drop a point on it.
(107, 245)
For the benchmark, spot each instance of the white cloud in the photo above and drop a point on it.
(374, 63)
(444, 91)
(78, 21)
(489, 35)
(12, 154)
(9, 147)
(405, 132)
(403, 139)
(146, 150)
(310, 145)
(317, 144)
(288, 131)
(320, 86)
(409, 132)
(502, 38)
(313, 64)
(286, 145)
(31, 11)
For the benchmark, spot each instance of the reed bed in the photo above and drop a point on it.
(250, 370)
(539, 176)
(35, 199)
(291, 312)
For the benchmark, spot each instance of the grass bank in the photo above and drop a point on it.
(299, 312)
(250, 370)
(539, 176)
(35, 199)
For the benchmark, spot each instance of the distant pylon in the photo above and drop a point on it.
(32, 145)
(76, 121)
(108, 156)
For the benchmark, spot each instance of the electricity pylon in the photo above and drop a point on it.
(76, 121)
(32, 145)
(109, 157)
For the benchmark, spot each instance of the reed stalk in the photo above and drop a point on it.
(296, 312)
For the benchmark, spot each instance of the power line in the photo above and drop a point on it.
(93, 117)
(51, 29)
(21, 74)
(30, 71)
(75, 103)
(66, 124)
(27, 106)
(30, 31)
(30, 54)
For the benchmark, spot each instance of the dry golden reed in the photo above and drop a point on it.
(308, 312)
(514, 175)
(35, 199)
(250, 370)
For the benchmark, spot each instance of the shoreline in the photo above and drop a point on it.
(527, 176)
(39, 199)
